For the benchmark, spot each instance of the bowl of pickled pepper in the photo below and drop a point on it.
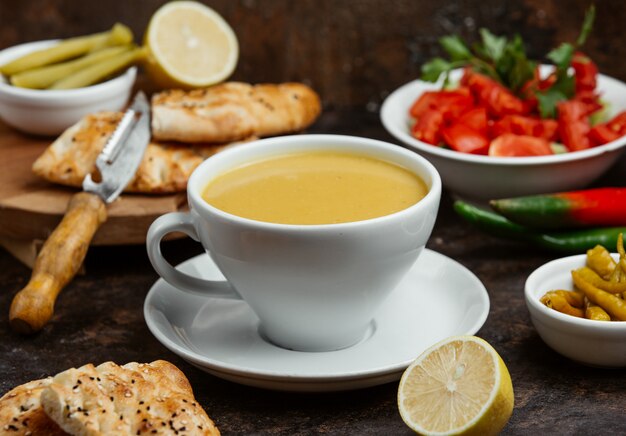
(578, 306)
(46, 86)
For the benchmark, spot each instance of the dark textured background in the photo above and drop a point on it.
(353, 53)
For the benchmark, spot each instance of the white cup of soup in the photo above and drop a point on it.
(313, 232)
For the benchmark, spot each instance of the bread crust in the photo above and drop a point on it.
(21, 413)
(232, 111)
(165, 168)
(136, 398)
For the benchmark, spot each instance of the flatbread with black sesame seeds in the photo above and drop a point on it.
(232, 111)
(21, 413)
(137, 398)
(165, 167)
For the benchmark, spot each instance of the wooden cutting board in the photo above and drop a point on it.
(30, 208)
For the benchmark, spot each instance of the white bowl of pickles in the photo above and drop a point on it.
(47, 98)
(572, 312)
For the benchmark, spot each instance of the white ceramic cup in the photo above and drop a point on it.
(313, 287)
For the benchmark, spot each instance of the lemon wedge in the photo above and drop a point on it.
(458, 386)
(189, 45)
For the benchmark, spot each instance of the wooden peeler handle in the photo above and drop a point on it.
(59, 259)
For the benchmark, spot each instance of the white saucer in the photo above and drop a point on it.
(438, 298)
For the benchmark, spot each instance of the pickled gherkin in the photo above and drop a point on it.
(68, 49)
(101, 70)
(43, 77)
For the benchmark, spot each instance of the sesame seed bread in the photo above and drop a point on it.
(232, 111)
(165, 168)
(21, 413)
(133, 399)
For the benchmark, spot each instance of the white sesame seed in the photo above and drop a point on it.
(75, 390)
(128, 394)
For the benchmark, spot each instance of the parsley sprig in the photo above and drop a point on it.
(505, 61)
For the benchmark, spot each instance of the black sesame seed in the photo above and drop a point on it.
(86, 413)
(141, 402)
(184, 401)
(12, 427)
(111, 398)
(98, 378)
(67, 407)
(138, 411)
(133, 381)
(121, 417)
(79, 382)
(148, 408)
(183, 428)
(92, 378)
(75, 387)
(138, 432)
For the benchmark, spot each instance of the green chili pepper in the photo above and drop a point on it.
(577, 241)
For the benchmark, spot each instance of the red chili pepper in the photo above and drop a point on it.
(465, 139)
(510, 145)
(573, 125)
(428, 127)
(602, 207)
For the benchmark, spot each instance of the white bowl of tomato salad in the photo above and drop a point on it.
(487, 145)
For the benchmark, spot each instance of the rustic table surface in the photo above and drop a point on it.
(354, 54)
(99, 317)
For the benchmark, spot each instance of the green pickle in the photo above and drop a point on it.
(99, 71)
(69, 49)
(43, 77)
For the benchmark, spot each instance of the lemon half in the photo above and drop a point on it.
(458, 386)
(189, 45)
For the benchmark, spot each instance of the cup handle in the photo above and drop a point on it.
(182, 222)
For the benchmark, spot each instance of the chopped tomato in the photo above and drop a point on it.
(585, 72)
(609, 131)
(498, 100)
(450, 103)
(549, 129)
(428, 127)
(573, 125)
(510, 145)
(523, 125)
(618, 123)
(465, 139)
(602, 133)
(475, 119)
(424, 103)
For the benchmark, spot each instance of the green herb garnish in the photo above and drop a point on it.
(506, 62)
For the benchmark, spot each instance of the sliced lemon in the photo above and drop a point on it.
(190, 46)
(458, 386)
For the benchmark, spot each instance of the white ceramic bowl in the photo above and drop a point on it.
(597, 343)
(44, 112)
(485, 177)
